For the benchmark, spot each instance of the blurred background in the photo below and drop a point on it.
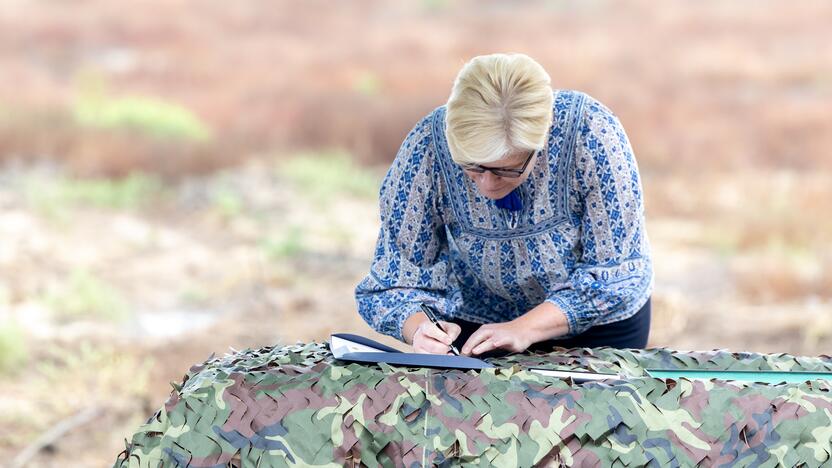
(178, 178)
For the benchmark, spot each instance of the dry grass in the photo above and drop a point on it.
(705, 84)
(767, 227)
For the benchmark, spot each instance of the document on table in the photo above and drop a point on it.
(356, 348)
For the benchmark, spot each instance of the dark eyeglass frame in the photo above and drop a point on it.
(499, 171)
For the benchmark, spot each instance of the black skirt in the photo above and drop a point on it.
(632, 332)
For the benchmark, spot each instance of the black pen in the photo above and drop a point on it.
(429, 312)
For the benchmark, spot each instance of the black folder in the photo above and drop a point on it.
(355, 348)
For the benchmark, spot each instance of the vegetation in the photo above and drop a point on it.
(57, 196)
(86, 296)
(327, 175)
(95, 108)
(13, 348)
(287, 245)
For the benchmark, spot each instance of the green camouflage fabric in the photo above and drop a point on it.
(297, 406)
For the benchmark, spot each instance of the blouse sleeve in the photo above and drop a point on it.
(613, 275)
(410, 261)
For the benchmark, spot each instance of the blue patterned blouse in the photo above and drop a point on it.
(578, 241)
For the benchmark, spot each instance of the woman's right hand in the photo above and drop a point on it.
(427, 337)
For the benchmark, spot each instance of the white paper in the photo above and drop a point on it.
(340, 346)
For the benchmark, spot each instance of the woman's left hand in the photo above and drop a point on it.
(543, 322)
(510, 336)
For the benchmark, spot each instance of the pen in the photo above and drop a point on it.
(429, 312)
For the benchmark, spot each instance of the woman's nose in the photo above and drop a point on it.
(488, 179)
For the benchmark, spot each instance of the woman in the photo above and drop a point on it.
(516, 213)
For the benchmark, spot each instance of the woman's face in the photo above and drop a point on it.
(495, 187)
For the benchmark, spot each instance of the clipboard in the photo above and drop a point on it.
(355, 348)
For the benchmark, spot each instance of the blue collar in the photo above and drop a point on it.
(511, 202)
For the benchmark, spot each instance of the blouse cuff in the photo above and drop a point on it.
(392, 323)
(568, 310)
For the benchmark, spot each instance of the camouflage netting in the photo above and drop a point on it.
(297, 406)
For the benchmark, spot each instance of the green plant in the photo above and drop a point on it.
(228, 203)
(367, 83)
(94, 107)
(88, 375)
(110, 367)
(194, 295)
(327, 175)
(288, 244)
(13, 349)
(54, 196)
(145, 115)
(86, 296)
(435, 6)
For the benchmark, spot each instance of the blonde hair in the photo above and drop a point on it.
(499, 104)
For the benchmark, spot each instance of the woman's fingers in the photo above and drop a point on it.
(489, 340)
(486, 345)
(430, 346)
(482, 334)
(426, 344)
(431, 330)
(505, 342)
(430, 339)
(453, 330)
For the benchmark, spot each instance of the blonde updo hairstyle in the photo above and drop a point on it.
(500, 104)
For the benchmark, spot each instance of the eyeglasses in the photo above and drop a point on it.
(499, 171)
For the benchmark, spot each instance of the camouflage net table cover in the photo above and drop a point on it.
(297, 406)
